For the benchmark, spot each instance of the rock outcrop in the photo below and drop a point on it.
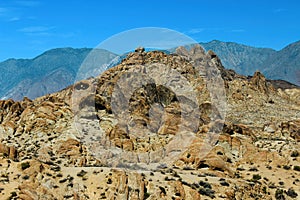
(156, 116)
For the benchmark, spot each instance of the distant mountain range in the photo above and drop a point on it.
(47, 73)
(285, 64)
(57, 68)
(241, 58)
(278, 65)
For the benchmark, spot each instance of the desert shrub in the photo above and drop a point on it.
(286, 167)
(207, 192)
(12, 195)
(81, 173)
(291, 193)
(256, 177)
(25, 165)
(279, 194)
(297, 168)
(295, 154)
(146, 195)
(26, 177)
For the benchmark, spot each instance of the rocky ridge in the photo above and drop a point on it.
(256, 155)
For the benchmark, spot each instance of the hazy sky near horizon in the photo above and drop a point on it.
(30, 27)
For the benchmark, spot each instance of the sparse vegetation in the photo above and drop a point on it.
(272, 185)
(253, 169)
(295, 153)
(291, 193)
(207, 192)
(205, 184)
(81, 173)
(26, 177)
(279, 194)
(163, 190)
(25, 165)
(286, 167)
(226, 172)
(12, 195)
(264, 189)
(224, 183)
(63, 180)
(109, 181)
(146, 195)
(281, 183)
(297, 168)
(187, 168)
(256, 177)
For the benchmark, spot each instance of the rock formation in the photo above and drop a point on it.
(67, 145)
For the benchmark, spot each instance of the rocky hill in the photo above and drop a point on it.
(134, 132)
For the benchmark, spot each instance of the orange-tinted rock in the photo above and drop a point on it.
(258, 137)
(4, 149)
(13, 153)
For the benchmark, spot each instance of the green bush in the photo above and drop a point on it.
(256, 177)
(279, 194)
(295, 154)
(291, 192)
(297, 168)
(286, 167)
(25, 165)
(146, 195)
(12, 195)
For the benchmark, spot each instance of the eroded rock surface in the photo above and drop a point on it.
(50, 147)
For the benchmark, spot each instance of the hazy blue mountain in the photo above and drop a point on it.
(285, 64)
(47, 73)
(277, 65)
(241, 58)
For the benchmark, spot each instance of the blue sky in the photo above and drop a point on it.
(30, 27)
